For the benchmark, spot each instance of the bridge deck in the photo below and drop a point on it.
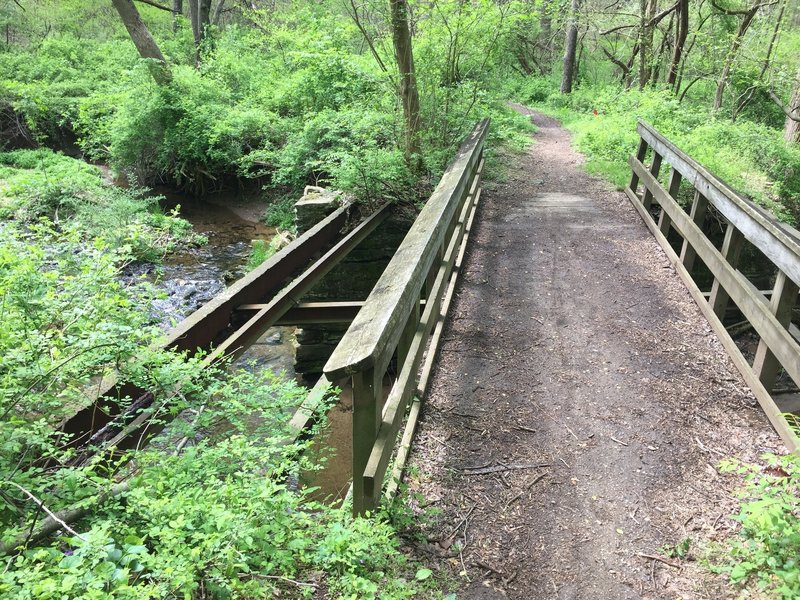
(574, 344)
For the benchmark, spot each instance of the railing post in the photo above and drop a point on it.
(655, 168)
(641, 152)
(731, 250)
(698, 215)
(664, 221)
(784, 296)
(367, 394)
(407, 336)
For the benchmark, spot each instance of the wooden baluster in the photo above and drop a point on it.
(641, 152)
(407, 337)
(655, 168)
(698, 214)
(784, 296)
(367, 409)
(664, 221)
(731, 250)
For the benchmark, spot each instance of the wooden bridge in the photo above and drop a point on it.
(394, 334)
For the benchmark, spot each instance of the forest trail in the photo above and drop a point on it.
(581, 403)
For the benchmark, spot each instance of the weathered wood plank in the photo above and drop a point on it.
(698, 215)
(655, 169)
(753, 308)
(406, 381)
(641, 152)
(784, 297)
(255, 327)
(376, 330)
(367, 408)
(430, 355)
(674, 185)
(731, 251)
(768, 405)
(777, 242)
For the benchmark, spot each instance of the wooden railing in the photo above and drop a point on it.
(743, 220)
(398, 319)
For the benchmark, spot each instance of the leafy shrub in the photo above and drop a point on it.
(43, 183)
(765, 553)
(217, 519)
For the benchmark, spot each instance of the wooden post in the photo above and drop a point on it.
(367, 390)
(731, 250)
(647, 199)
(641, 152)
(784, 296)
(664, 221)
(407, 336)
(698, 215)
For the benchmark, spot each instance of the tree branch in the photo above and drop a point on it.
(657, 19)
(613, 29)
(155, 4)
(790, 112)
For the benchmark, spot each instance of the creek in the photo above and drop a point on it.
(192, 276)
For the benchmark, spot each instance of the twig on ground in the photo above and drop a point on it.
(659, 559)
(503, 468)
(619, 441)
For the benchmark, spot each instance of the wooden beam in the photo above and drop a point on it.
(784, 296)
(698, 215)
(265, 318)
(731, 252)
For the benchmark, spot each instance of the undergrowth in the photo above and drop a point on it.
(763, 555)
(219, 518)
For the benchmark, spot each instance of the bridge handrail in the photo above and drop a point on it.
(392, 322)
(779, 242)
(771, 318)
(376, 330)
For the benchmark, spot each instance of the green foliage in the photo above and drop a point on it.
(220, 518)
(765, 552)
(42, 183)
(280, 213)
(751, 157)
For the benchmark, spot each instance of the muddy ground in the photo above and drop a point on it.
(581, 404)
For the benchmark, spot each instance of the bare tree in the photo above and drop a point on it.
(746, 19)
(144, 42)
(404, 55)
(568, 73)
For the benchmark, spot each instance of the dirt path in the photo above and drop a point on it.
(574, 346)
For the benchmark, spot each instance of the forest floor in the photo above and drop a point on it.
(581, 403)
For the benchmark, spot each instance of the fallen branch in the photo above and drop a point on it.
(659, 559)
(502, 468)
(61, 519)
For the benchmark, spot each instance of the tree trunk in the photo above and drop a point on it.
(177, 11)
(744, 25)
(791, 130)
(200, 16)
(681, 33)
(218, 12)
(648, 11)
(144, 42)
(409, 96)
(570, 47)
